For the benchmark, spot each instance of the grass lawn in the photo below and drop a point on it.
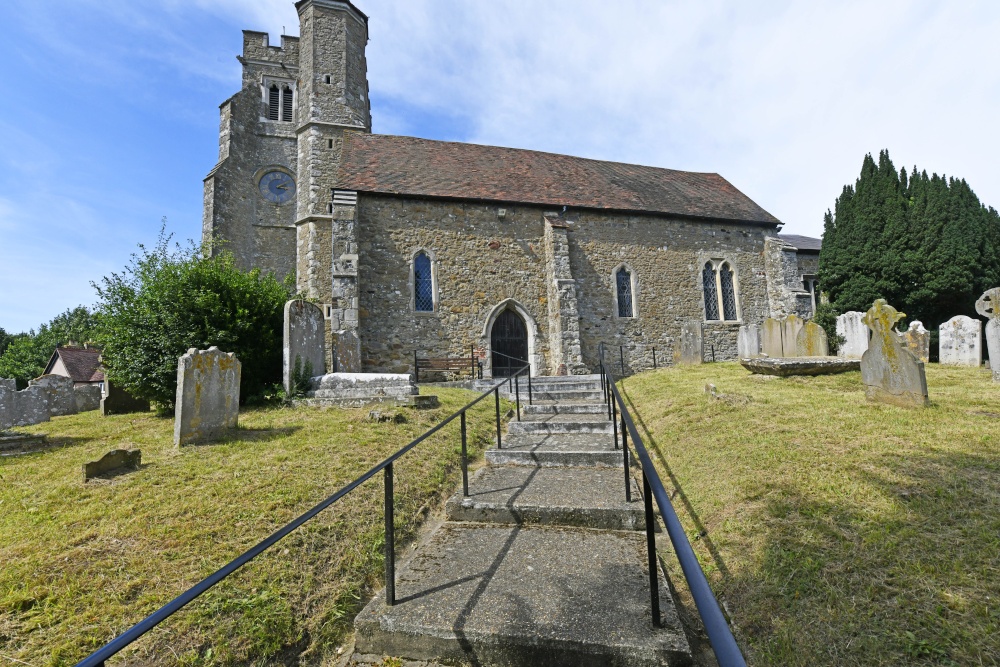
(837, 531)
(80, 563)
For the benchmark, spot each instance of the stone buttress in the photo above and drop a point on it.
(563, 312)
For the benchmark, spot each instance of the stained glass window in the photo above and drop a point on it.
(423, 284)
(728, 292)
(624, 283)
(711, 294)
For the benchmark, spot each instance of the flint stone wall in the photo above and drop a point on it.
(960, 342)
(208, 395)
(304, 340)
(45, 397)
(851, 327)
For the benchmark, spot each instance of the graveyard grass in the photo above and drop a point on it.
(837, 531)
(80, 563)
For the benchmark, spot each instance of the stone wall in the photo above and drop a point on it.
(45, 397)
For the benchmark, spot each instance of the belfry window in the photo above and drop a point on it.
(280, 100)
(423, 283)
(719, 284)
(623, 287)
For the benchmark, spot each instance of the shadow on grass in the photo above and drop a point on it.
(243, 434)
(58, 442)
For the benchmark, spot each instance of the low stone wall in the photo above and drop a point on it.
(358, 389)
(46, 397)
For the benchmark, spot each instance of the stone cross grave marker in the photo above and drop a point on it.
(692, 343)
(852, 329)
(889, 371)
(918, 340)
(748, 341)
(304, 345)
(961, 342)
(208, 395)
(988, 306)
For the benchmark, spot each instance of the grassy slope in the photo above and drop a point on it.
(837, 531)
(80, 563)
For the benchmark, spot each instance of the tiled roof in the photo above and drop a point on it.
(83, 364)
(419, 167)
(802, 242)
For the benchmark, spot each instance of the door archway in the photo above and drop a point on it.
(508, 343)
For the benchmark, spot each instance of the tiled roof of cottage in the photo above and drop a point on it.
(802, 242)
(396, 165)
(83, 364)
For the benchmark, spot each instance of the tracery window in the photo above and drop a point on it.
(623, 285)
(423, 283)
(719, 285)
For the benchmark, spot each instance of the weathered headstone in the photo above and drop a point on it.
(889, 371)
(304, 342)
(771, 340)
(347, 351)
(791, 327)
(208, 395)
(988, 306)
(811, 341)
(88, 397)
(58, 391)
(851, 327)
(961, 342)
(918, 340)
(114, 460)
(692, 343)
(117, 401)
(748, 341)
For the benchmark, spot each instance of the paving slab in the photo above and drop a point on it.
(518, 596)
(565, 496)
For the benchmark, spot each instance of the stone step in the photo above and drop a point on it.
(586, 449)
(555, 424)
(572, 395)
(597, 417)
(569, 496)
(565, 408)
(516, 596)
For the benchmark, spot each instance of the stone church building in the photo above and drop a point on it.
(450, 249)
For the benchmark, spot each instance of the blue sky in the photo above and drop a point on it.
(111, 118)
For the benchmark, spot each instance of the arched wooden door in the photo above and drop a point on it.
(509, 344)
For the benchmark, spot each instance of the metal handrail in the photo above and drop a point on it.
(116, 645)
(727, 652)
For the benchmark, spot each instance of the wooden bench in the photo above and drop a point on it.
(441, 364)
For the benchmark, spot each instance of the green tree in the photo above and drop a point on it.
(924, 243)
(26, 355)
(169, 300)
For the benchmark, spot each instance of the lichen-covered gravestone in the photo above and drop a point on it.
(918, 340)
(961, 342)
(692, 343)
(889, 371)
(851, 327)
(811, 341)
(208, 395)
(748, 342)
(988, 306)
(791, 327)
(304, 343)
(771, 341)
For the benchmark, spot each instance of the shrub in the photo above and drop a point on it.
(169, 300)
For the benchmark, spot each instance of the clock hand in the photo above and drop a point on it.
(282, 186)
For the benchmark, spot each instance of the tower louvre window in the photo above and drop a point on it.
(273, 104)
(286, 103)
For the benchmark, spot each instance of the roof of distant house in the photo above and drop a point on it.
(806, 243)
(82, 363)
(409, 166)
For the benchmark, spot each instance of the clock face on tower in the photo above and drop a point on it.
(277, 187)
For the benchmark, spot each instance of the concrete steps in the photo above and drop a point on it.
(544, 563)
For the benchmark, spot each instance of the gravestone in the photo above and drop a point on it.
(692, 343)
(113, 461)
(918, 340)
(960, 342)
(117, 401)
(304, 345)
(771, 340)
(988, 306)
(88, 397)
(811, 341)
(791, 327)
(208, 395)
(889, 371)
(851, 327)
(748, 342)
(347, 351)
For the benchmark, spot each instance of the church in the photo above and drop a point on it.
(444, 249)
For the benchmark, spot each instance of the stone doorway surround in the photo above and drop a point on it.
(535, 358)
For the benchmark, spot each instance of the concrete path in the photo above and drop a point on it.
(544, 563)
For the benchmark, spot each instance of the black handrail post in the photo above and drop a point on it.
(390, 542)
(713, 352)
(654, 579)
(530, 399)
(472, 361)
(517, 397)
(621, 353)
(611, 398)
(496, 394)
(628, 477)
(614, 422)
(465, 460)
(654, 358)
(416, 368)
